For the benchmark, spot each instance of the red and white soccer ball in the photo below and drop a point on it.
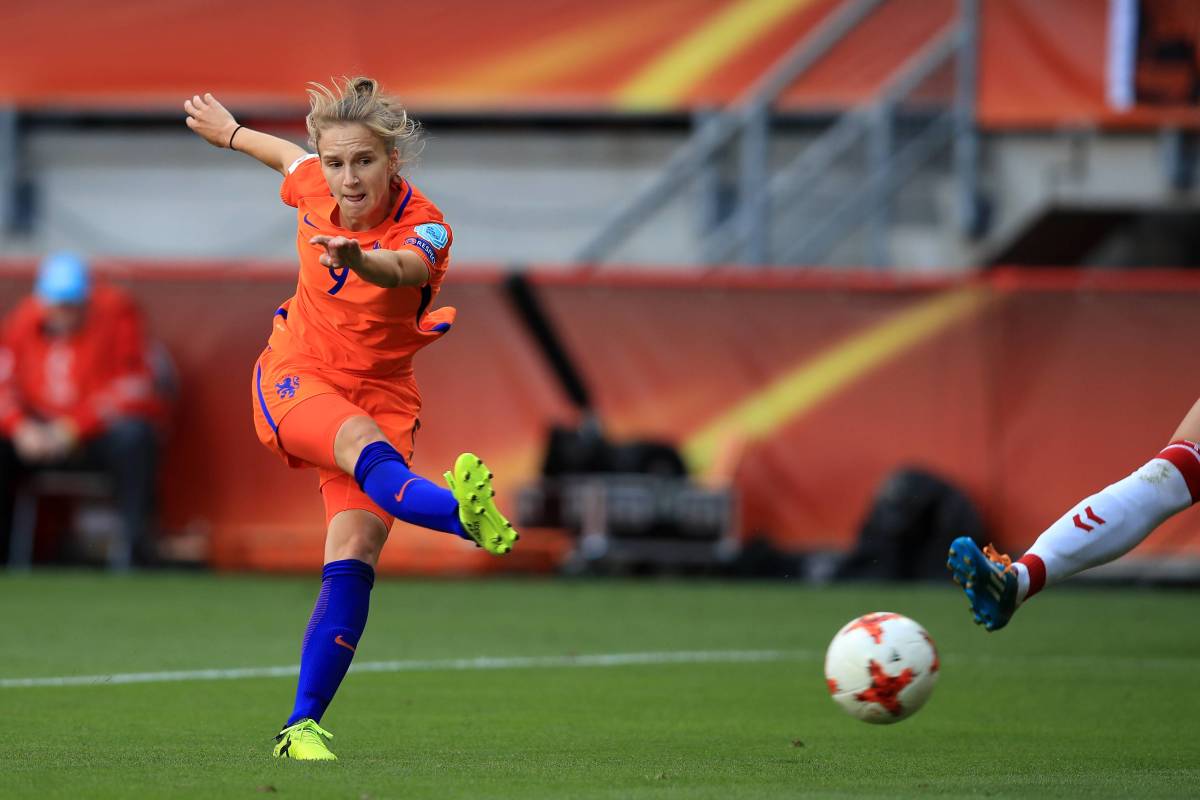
(881, 667)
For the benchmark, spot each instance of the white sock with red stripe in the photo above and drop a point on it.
(1113, 521)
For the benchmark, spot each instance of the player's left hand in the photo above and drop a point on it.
(340, 251)
(210, 120)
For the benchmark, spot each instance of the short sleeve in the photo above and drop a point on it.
(431, 240)
(304, 179)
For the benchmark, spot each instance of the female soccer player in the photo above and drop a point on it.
(1099, 529)
(334, 388)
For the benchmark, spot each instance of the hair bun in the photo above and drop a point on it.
(361, 100)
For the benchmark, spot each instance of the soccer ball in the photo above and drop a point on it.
(881, 667)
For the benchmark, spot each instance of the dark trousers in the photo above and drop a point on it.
(127, 451)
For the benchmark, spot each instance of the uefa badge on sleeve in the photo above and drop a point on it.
(432, 232)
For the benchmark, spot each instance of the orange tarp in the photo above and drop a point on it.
(859, 64)
(460, 54)
(1042, 62)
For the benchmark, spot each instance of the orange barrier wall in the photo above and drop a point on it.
(1041, 394)
(1029, 392)
(1042, 62)
(217, 477)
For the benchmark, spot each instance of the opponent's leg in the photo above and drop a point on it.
(1189, 429)
(1099, 529)
(352, 548)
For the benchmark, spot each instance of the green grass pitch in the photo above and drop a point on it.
(1089, 693)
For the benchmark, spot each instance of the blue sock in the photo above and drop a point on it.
(337, 623)
(383, 475)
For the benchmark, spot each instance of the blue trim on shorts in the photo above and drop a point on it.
(262, 402)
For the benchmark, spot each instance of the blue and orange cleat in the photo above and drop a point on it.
(987, 578)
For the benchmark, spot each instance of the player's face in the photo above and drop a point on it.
(359, 172)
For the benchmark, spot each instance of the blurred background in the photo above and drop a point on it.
(794, 288)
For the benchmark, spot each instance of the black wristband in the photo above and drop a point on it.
(235, 130)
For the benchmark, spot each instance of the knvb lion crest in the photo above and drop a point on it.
(287, 387)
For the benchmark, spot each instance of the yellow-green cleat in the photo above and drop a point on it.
(471, 484)
(304, 741)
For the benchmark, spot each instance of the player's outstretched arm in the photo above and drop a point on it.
(213, 123)
(386, 268)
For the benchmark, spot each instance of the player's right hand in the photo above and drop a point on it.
(211, 120)
(32, 441)
(340, 251)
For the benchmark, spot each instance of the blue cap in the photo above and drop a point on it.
(63, 278)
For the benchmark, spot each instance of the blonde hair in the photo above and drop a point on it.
(360, 100)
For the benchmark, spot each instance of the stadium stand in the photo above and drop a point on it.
(957, 134)
(875, 93)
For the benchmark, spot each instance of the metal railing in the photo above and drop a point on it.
(749, 111)
(814, 224)
(10, 172)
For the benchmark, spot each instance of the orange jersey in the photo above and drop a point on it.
(340, 320)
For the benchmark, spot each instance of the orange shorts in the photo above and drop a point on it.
(281, 383)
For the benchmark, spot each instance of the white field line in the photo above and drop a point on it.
(592, 660)
(518, 662)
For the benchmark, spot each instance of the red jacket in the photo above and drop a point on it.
(98, 373)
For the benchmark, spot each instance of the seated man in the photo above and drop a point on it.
(76, 391)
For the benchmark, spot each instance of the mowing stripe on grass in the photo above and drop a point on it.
(518, 662)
